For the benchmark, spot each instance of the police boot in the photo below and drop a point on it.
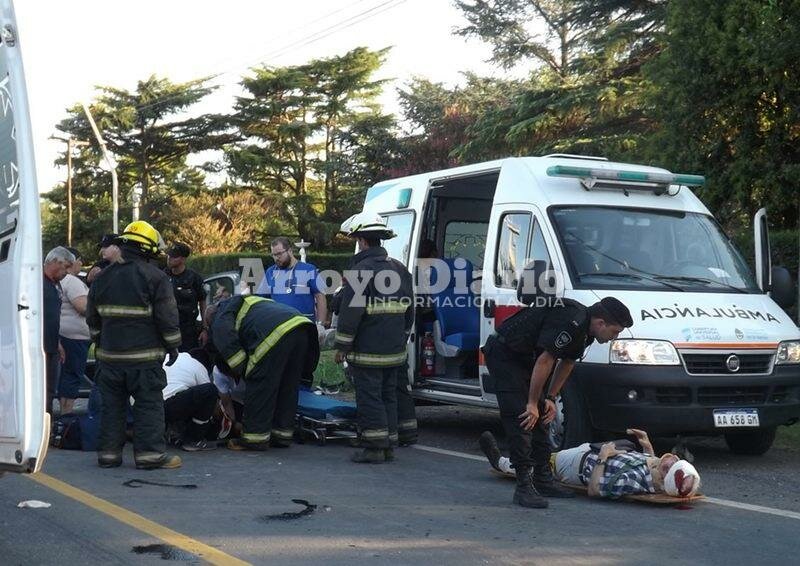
(545, 483)
(369, 456)
(488, 445)
(525, 494)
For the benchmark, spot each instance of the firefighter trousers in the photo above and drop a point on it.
(117, 383)
(406, 414)
(376, 403)
(270, 400)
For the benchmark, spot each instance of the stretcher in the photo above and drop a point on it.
(325, 418)
(651, 498)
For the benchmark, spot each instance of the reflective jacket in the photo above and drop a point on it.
(373, 325)
(131, 312)
(247, 327)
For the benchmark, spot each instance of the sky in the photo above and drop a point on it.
(69, 47)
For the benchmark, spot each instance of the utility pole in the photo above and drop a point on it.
(71, 143)
(110, 163)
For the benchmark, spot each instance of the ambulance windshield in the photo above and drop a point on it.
(654, 249)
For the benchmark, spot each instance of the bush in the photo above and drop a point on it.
(210, 264)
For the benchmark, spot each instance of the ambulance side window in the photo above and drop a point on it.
(539, 246)
(401, 224)
(512, 248)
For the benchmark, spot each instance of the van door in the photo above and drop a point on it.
(24, 425)
(516, 238)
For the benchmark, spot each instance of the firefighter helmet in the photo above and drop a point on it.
(143, 236)
(366, 225)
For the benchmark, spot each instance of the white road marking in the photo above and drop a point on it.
(714, 500)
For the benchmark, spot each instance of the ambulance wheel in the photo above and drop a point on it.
(751, 443)
(571, 426)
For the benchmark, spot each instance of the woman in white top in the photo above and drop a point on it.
(74, 334)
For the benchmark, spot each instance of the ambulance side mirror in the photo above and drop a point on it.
(783, 288)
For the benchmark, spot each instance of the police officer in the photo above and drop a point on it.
(188, 287)
(521, 356)
(273, 347)
(133, 320)
(375, 316)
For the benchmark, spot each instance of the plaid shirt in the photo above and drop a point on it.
(624, 474)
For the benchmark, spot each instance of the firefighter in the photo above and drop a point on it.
(133, 320)
(521, 356)
(375, 316)
(273, 347)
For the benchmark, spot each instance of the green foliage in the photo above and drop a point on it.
(728, 101)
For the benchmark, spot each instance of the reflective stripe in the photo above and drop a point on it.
(378, 360)
(152, 354)
(410, 424)
(236, 359)
(249, 301)
(344, 338)
(393, 437)
(172, 337)
(375, 433)
(283, 434)
(387, 307)
(268, 342)
(255, 437)
(124, 310)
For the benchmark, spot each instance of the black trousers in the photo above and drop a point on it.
(406, 413)
(376, 403)
(52, 363)
(193, 406)
(144, 383)
(512, 373)
(189, 336)
(270, 399)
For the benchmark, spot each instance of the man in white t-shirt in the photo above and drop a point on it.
(73, 334)
(189, 399)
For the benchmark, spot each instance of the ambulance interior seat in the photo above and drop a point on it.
(457, 326)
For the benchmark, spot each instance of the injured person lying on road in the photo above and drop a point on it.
(612, 469)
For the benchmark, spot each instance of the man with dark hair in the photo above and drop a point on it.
(189, 293)
(109, 253)
(293, 283)
(521, 356)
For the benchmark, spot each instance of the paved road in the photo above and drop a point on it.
(426, 508)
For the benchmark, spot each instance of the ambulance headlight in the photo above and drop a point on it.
(788, 352)
(644, 352)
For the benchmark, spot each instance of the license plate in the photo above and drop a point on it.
(727, 418)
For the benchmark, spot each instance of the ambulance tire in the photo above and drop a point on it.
(577, 426)
(751, 443)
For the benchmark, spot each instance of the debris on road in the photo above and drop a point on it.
(33, 504)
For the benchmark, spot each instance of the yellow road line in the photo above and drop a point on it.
(204, 551)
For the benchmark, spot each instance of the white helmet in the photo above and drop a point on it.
(682, 480)
(366, 225)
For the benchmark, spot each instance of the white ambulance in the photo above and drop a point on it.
(711, 351)
(24, 425)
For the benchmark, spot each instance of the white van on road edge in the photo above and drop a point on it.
(24, 425)
(710, 351)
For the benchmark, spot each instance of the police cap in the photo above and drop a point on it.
(612, 311)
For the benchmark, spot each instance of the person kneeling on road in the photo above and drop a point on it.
(273, 347)
(189, 401)
(521, 355)
(612, 469)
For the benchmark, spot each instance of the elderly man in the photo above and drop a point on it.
(613, 469)
(293, 283)
(74, 334)
(56, 264)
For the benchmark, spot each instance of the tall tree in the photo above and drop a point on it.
(151, 136)
(729, 104)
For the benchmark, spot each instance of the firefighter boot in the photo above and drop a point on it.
(369, 456)
(526, 494)
(545, 483)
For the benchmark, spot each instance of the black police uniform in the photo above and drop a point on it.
(510, 355)
(188, 288)
(373, 334)
(273, 347)
(133, 320)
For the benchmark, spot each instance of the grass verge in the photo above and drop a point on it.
(788, 437)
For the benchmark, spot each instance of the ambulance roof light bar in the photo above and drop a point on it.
(626, 180)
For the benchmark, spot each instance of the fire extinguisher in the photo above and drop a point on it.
(428, 366)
